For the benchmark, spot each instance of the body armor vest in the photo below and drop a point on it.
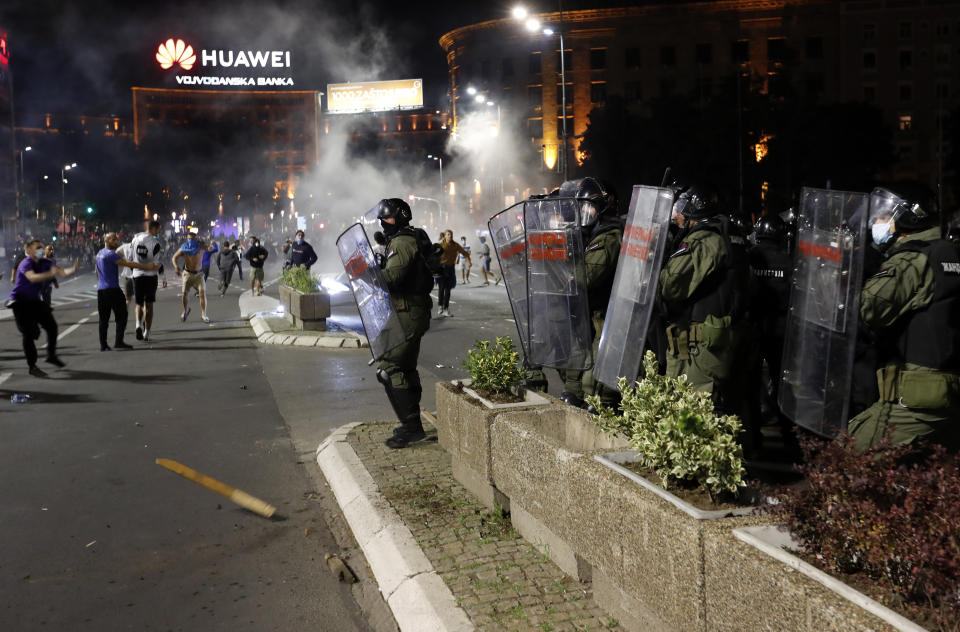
(723, 293)
(930, 337)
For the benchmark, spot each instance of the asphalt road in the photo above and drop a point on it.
(98, 537)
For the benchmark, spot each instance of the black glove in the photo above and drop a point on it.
(380, 238)
(380, 260)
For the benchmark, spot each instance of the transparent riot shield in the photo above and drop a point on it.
(380, 322)
(824, 304)
(506, 233)
(558, 314)
(634, 285)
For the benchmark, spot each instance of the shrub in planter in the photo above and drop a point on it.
(495, 370)
(299, 278)
(676, 431)
(891, 513)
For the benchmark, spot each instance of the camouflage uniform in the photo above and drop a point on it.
(912, 305)
(703, 286)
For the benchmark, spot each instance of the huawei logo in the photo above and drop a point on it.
(173, 52)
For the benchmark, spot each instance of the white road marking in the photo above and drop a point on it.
(5, 376)
(72, 328)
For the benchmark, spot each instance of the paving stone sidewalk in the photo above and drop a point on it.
(501, 581)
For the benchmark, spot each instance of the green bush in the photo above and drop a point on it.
(299, 279)
(676, 431)
(494, 369)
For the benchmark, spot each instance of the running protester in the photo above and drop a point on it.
(192, 276)
(110, 297)
(208, 252)
(147, 248)
(227, 258)
(29, 310)
(257, 256)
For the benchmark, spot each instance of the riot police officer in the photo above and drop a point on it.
(602, 227)
(409, 281)
(703, 287)
(771, 270)
(911, 307)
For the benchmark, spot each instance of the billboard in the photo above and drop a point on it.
(185, 63)
(375, 96)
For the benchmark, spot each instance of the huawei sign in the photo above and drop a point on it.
(173, 52)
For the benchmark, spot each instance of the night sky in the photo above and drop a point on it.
(83, 57)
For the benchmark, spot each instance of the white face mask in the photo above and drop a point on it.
(880, 232)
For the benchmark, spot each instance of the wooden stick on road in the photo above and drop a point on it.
(240, 497)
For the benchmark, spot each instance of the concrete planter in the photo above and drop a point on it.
(305, 311)
(645, 556)
(754, 584)
(463, 430)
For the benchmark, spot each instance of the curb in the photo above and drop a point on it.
(416, 594)
(261, 329)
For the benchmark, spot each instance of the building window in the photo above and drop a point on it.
(943, 30)
(813, 84)
(507, 67)
(704, 53)
(814, 48)
(632, 91)
(870, 94)
(906, 92)
(598, 58)
(598, 93)
(869, 60)
(567, 60)
(905, 122)
(560, 126)
(631, 58)
(869, 32)
(740, 51)
(943, 55)
(906, 60)
(776, 49)
(668, 86)
(668, 56)
(535, 97)
(534, 63)
(536, 127)
(906, 30)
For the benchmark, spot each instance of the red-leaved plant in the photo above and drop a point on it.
(891, 513)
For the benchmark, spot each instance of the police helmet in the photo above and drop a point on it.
(953, 234)
(912, 208)
(697, 201)
(397, 209)
(770, 227)
(597, 198)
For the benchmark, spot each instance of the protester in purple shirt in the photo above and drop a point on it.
(110, 298)
(29, 310)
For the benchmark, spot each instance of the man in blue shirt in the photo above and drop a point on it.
(29, 310)
(208, 252)
(110, 297)
(301, 253)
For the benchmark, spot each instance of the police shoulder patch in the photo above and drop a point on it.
(593, 247)
(681, 250)
(884, 272)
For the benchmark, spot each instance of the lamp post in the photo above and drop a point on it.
(20, 193)
(63, 195)
(533, 25)
(440, 160)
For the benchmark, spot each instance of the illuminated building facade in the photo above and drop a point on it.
(8, 165)
(896, 54)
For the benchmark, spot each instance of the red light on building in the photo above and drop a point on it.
(4, 54)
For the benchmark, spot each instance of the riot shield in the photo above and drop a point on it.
(506, 233)
(558, 314)
(634, 285)
(380, 322)
(824, 304)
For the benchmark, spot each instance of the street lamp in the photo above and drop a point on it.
(20, 153)
(440, 160)
(63, 197)
(533, 25)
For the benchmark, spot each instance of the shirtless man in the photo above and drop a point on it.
(192, 254)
